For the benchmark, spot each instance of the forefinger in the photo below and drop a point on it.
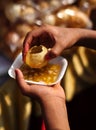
(26, 45)
(30, 40)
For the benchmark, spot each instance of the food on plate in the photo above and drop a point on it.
(47, 74)
(36, 68)
(35, 57)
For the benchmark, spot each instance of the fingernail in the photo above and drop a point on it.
(50, 55)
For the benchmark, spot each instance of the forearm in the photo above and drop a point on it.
(87, 39)
(55, 114)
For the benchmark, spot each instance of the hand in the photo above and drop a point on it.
(57, 38)
(39, 91)
(51, 99)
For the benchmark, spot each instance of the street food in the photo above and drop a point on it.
(35, 57)
(47, 74)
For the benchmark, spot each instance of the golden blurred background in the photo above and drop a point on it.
(17, 17)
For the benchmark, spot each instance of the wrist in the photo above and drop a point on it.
(54, 110)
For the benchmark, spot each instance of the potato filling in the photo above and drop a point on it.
(36, 49)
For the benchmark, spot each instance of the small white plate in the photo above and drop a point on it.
(58, 60)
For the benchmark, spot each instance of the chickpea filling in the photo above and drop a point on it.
(47, 74)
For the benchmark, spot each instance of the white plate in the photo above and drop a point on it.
(58, 60)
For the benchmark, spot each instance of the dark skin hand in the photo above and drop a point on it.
(52, 101)
(50, 37)
(58, 39)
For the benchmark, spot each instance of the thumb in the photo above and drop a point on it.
(20, 80)
(55, 51)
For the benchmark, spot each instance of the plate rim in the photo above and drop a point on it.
(61, 74)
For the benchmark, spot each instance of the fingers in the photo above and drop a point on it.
(30, 39)
(42, 35)
(55, 51)
(36, 91)
(26, 89)
(50, 55)
(21, 82)
(26, 45)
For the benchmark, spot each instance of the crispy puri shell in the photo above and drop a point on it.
(35, 57)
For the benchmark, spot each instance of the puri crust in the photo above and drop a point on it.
(35, 57)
